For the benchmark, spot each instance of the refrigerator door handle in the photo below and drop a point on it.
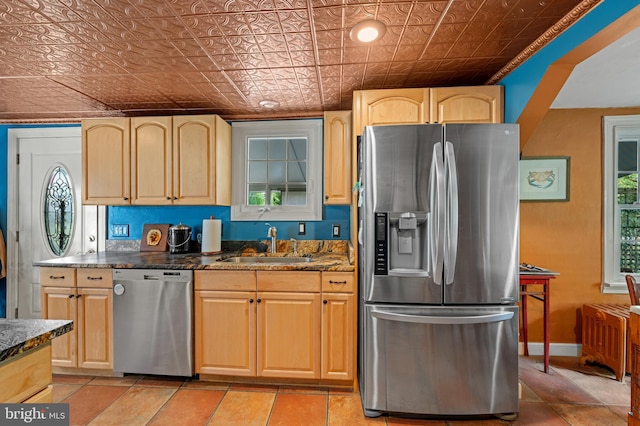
(472, 319)
(451, 248)
(436, 208)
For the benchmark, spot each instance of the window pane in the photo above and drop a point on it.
(627, 156)
(629, 240)
(297, 149)
(58, 211)
(627, 188)
(296, 198)
(297, 171)
(257, 195)
(277, 171)
(257, 171)
(257, 149)
(276, 198)
(277, 149)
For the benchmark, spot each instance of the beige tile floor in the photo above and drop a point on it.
(570, 394)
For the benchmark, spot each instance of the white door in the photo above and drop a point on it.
(49, 221)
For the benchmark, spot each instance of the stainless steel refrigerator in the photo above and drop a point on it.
(438, 269)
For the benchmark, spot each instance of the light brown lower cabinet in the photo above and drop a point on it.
(256, 324)
(289, 335)
(225, 332)
(337, 336)
(90, 343)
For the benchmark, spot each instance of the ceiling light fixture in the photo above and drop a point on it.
(367, 31)
(268, 103)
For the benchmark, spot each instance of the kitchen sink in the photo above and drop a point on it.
(266, 259)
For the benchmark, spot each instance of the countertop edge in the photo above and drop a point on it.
(20, 335)
(330, 262)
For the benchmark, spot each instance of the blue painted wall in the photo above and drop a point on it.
(520, 84)
(137, 216)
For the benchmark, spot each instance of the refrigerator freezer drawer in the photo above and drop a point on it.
(440, 360)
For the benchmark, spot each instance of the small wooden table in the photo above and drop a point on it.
(527, 280)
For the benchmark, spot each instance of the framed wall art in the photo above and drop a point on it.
(544, 179)
(154, 237)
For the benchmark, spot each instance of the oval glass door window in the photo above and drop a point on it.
(58, 210)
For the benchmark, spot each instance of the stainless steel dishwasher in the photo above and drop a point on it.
(153, 321)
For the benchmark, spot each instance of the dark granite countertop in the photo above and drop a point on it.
(20, 335)
(324, 256)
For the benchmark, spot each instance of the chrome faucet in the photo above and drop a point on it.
(272, 233)
(295, 246)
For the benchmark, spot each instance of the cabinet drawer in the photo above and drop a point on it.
(308, 281)
(57, 277)
(225, 280)
(337, 282)
(92, 277)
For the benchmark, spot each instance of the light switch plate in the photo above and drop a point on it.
(302, 228)
(336, 230)
(120, 230)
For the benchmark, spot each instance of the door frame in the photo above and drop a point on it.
(13, 138)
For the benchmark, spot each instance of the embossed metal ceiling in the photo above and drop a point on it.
(68, 59)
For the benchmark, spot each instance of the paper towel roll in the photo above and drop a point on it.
(211, 235)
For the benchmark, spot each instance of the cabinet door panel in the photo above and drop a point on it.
(337, 157)
(289, 335)
(201, 160)
(390, 106)
(225, 332)
(479, 104)
(151, 171)
(106, 161)
(94, 326)
(60, 303)
(337, 336)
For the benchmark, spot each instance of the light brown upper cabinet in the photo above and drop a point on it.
(477, 104)
(337, 157)
(201, 160)
(163, 160)
(466, 104)
(151, 160)
(106, 161)
(389, 106)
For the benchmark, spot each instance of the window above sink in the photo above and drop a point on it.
(277, 170)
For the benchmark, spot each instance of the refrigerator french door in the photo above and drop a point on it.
(438, 265)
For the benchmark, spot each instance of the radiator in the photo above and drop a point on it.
(605, 335)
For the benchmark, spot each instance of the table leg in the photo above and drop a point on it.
(547, 333)
(525, 331)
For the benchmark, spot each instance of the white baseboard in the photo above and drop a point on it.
(555, 349)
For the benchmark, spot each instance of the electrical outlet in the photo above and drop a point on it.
(302, 228)
(120, 230)
(336, 230)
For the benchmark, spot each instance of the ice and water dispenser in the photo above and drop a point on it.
(402, 247)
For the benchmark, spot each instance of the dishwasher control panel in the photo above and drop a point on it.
(152, 275)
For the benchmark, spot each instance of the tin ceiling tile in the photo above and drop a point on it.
(139, 57)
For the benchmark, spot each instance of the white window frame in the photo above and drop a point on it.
(311, 129)
(614, 129)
